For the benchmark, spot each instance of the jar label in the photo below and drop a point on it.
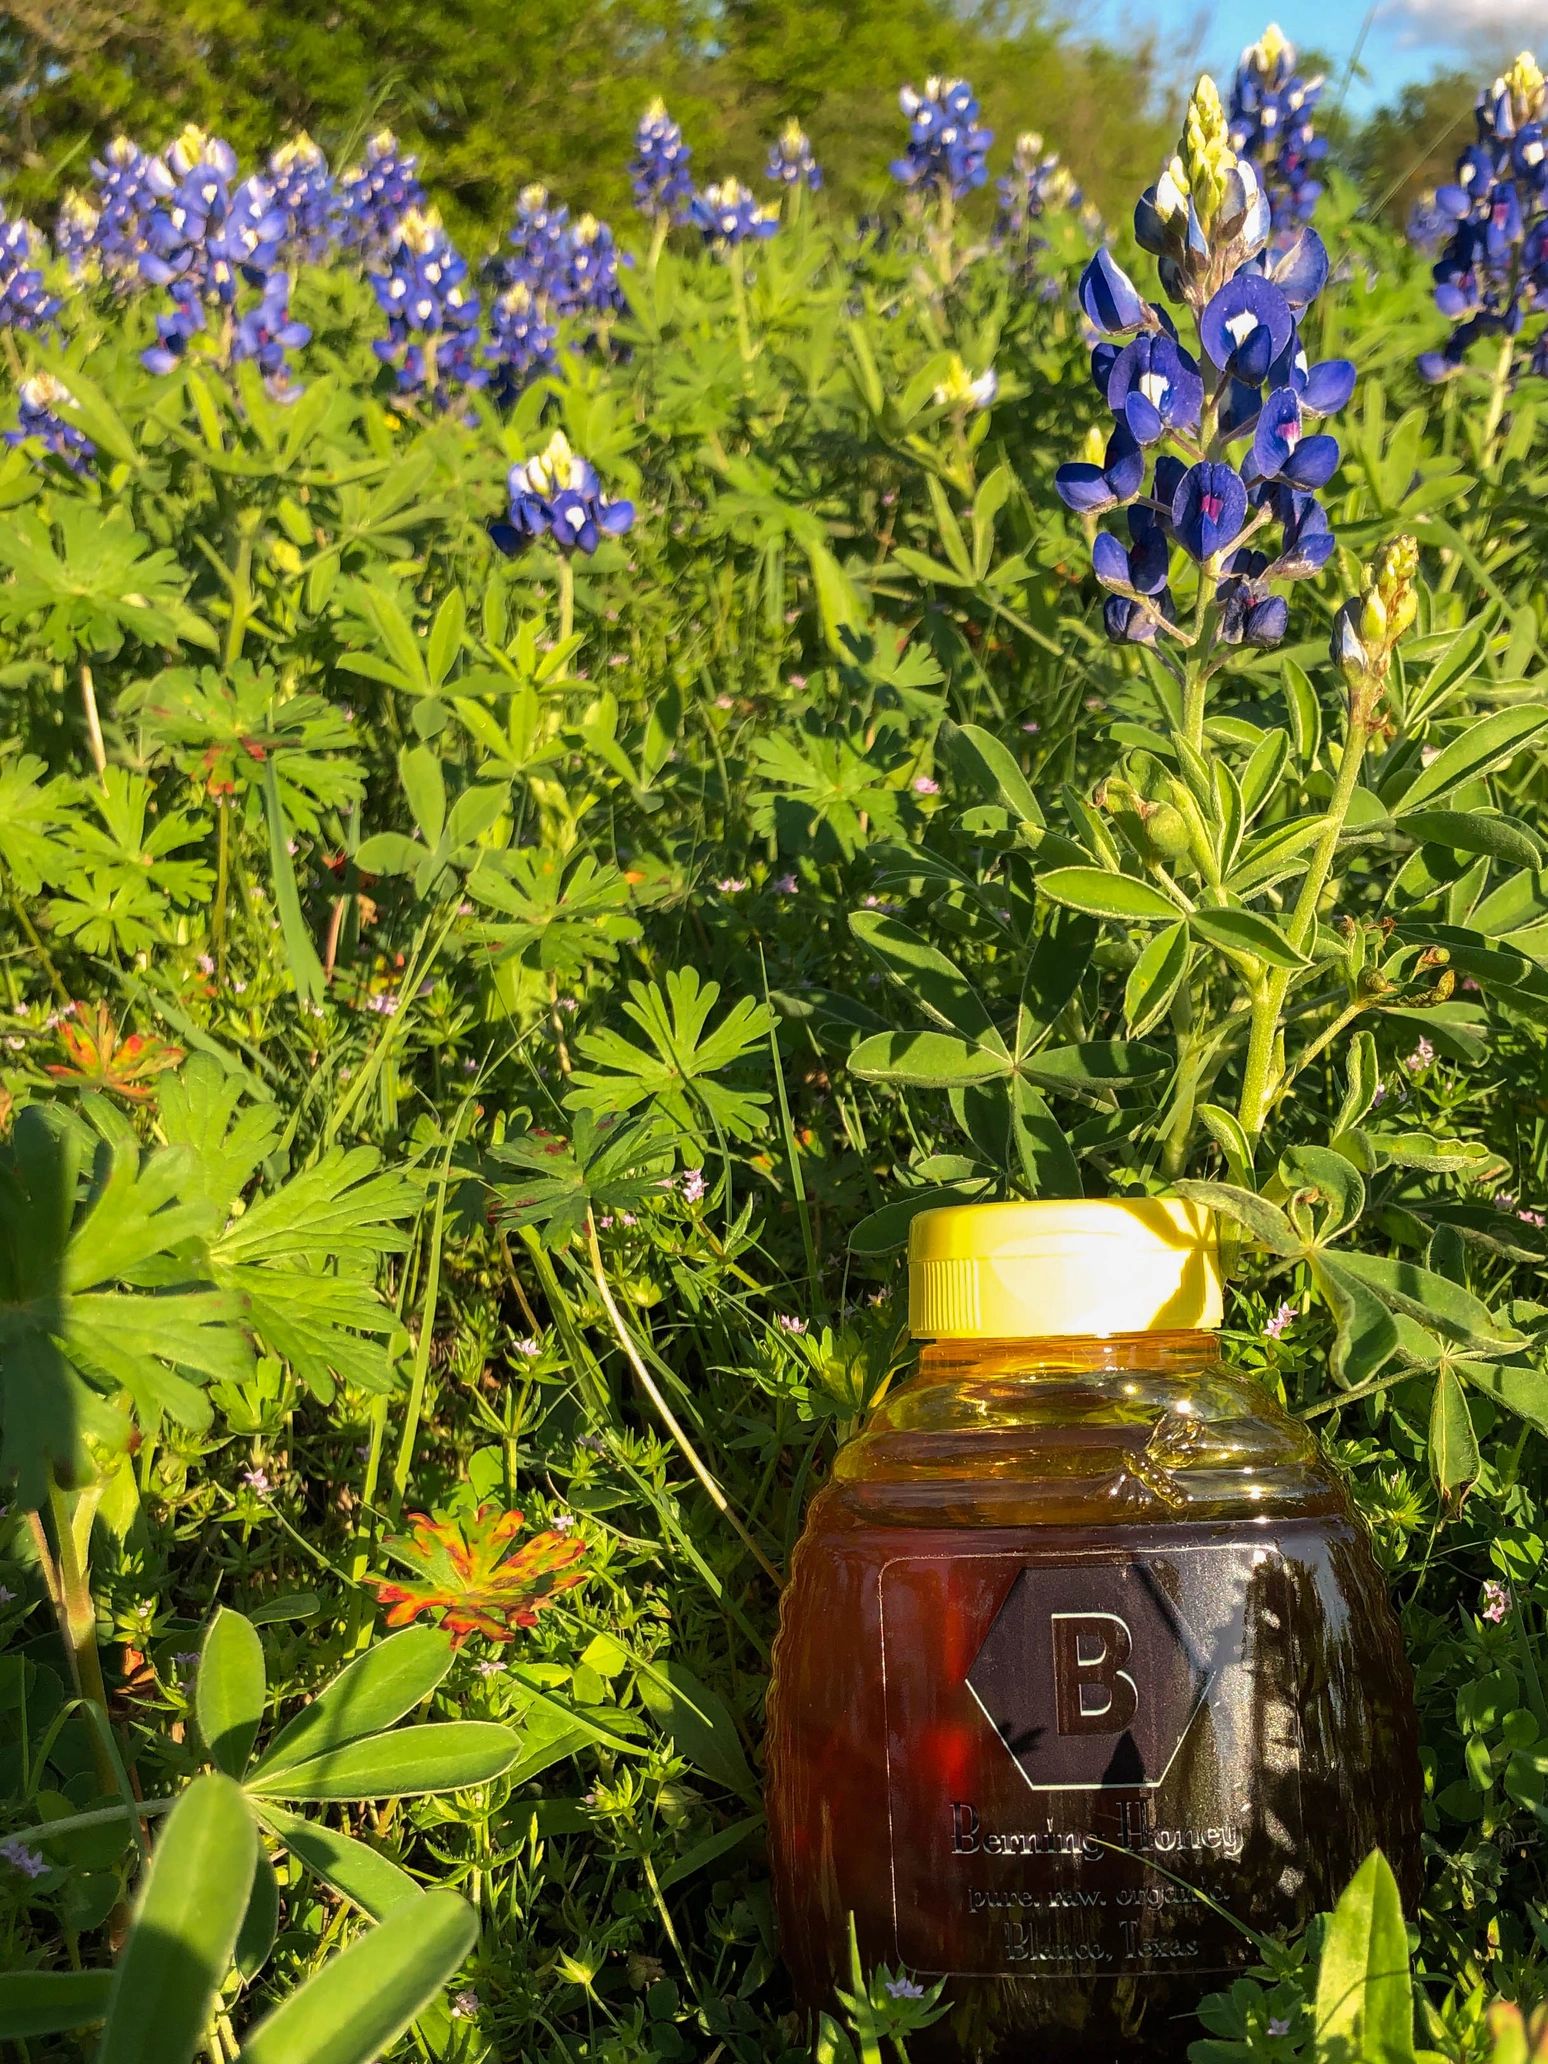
(1105, 1768)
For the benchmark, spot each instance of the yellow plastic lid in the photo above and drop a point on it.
(1062, 1268)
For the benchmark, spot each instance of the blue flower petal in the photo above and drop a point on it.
(1209, 508)
(1246, 326)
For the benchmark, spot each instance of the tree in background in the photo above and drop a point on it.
(1409, 149)
(494, 95)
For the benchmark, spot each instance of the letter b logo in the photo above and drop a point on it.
(1093, 1692)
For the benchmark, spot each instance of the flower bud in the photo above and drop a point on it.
(1166, 830)
(1206, 154)
(1349, 655)
(1368, 627)
(1373, 619)
(1525, 84)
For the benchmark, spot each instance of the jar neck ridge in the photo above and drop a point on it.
(954, 1361)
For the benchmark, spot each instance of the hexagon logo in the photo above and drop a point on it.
(1091, 1675)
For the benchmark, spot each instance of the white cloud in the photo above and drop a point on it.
(1489, 27)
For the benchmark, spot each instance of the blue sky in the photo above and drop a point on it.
(1406, 39)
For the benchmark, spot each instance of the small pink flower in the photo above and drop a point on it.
(257, 1481)
(29, 1862)
(923, 784)
(904, 1988)
(1497, 1600)
(1278, 1321)
(787, 1322)
(1032, 726)
(206, 963)
(693, 1185)
(529, 1348)
(798, 680)
(786, 885)
(1421, 1057)
(732, 885)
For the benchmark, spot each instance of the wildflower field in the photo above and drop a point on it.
(550, 798)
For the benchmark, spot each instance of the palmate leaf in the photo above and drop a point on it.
(604, 1167)
(30, 811)
(225, 728)
(94, 581)
(473, 1575)
(300, 1258)
(678, 1073)
(105, 1295)
(550, 915)
(826, 795)
(303, 1260)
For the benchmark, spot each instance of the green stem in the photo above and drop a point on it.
(34, 939)
(241, 600)
(668, 1417)
(945, 228)
(744, 342)
(99, 1816)
(1193, 704)
(1499, 394)
(566, 597)
(416, 1400)
(72, 1513)
(1269, 1002)
(222, 887)
(94, 743)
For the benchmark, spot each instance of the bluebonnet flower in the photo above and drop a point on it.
(1271, 123)
(570, 269)
(659, 171)
(378, 192)
(521, 342)
(25, 302)
(267, 333)
(790, 158)
(538, 236)
(75, 233)
(1492, 276)
(306, 191)
(1428, 225)
(558, 495)
(726, 215)
(947, 148)
(1036, 183)
(205, 240)
(589, 282)
(39, 422)
(1224, 433)
(432, 317)
(103, 232)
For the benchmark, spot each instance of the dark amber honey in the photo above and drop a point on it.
(1084, 1658)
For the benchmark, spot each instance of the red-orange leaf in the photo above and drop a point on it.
(466, 1573)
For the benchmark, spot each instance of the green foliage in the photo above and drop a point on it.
(558, 106)
(469, 1054)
